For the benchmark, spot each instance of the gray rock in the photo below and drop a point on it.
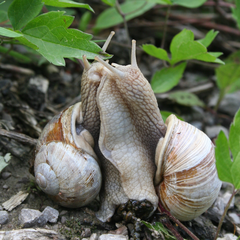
(226, 196)
(94, 236)
(6, 175)
(86, 233)
(112, 237)
(228, 236)
(23, 234)
(63, 219)
(213, 131)
(234, 217)
(49, 214)
(29, 217)
(230, 103)
(4, 217)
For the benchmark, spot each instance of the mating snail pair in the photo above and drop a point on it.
(109, 141)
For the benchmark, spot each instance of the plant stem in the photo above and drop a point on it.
(220, 98)
(163, 210)
(225, 212)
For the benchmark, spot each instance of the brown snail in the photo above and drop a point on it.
(119, 112)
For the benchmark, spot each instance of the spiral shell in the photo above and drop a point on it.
(66, 166)
(186, 174)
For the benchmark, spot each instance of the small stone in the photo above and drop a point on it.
(228, 236)
(63, 219)
(112, 237)
(5, 187)
(1, 208)
(120, 231)
(226, 196)
(49, 214)
(63, 212)
(29, 217)
(213, 131)
(234, 217)
(86, 233)
(6, 175)
(4, 217)
(94, 236)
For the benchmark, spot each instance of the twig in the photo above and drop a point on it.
(225, 212)
(123, 15)
(18, 136)
(17, 69)
(163, 210)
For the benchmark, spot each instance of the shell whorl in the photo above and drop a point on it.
(186, 170)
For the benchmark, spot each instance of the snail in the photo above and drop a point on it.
(123, 132)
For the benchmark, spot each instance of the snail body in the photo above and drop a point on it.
(118, 128)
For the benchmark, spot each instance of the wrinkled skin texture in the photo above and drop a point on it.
(131, 126)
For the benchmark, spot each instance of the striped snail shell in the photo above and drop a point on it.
(186, 173)
(66, 166)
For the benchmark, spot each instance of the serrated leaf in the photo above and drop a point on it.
(183, 47)
(167, 78)
(186, 99)
(227, 75)
(223, 160)
(55, 41)
(4, 161)
(66, 3)
(155, 52)
(189, 3)
(20, 12)
(235, 172)
(9, 33)
(207, 40)
(234, 135)
(111, 17)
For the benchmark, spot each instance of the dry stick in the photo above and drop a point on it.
(18, 136)
(225, 212)
(163, 210)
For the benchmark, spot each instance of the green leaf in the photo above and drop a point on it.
(167, 78)
(227, 75)
(164, 2)
(54, 41)
(9, 33)
(2, 2)
(235, 172)
(236, 12)
(4, 161)
(207, 40)
(66, 3)
(166, 114)
(20, 12)
(234, 135)
(189, 3)
(3, 16)
(18, 56)
(223, 160)
(186, 99)
(85, 19)
(155, 52)
(183, 47)
(111, 17)
(109, 2)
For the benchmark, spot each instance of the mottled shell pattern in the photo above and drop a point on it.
(66, 166)
(186, 173)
